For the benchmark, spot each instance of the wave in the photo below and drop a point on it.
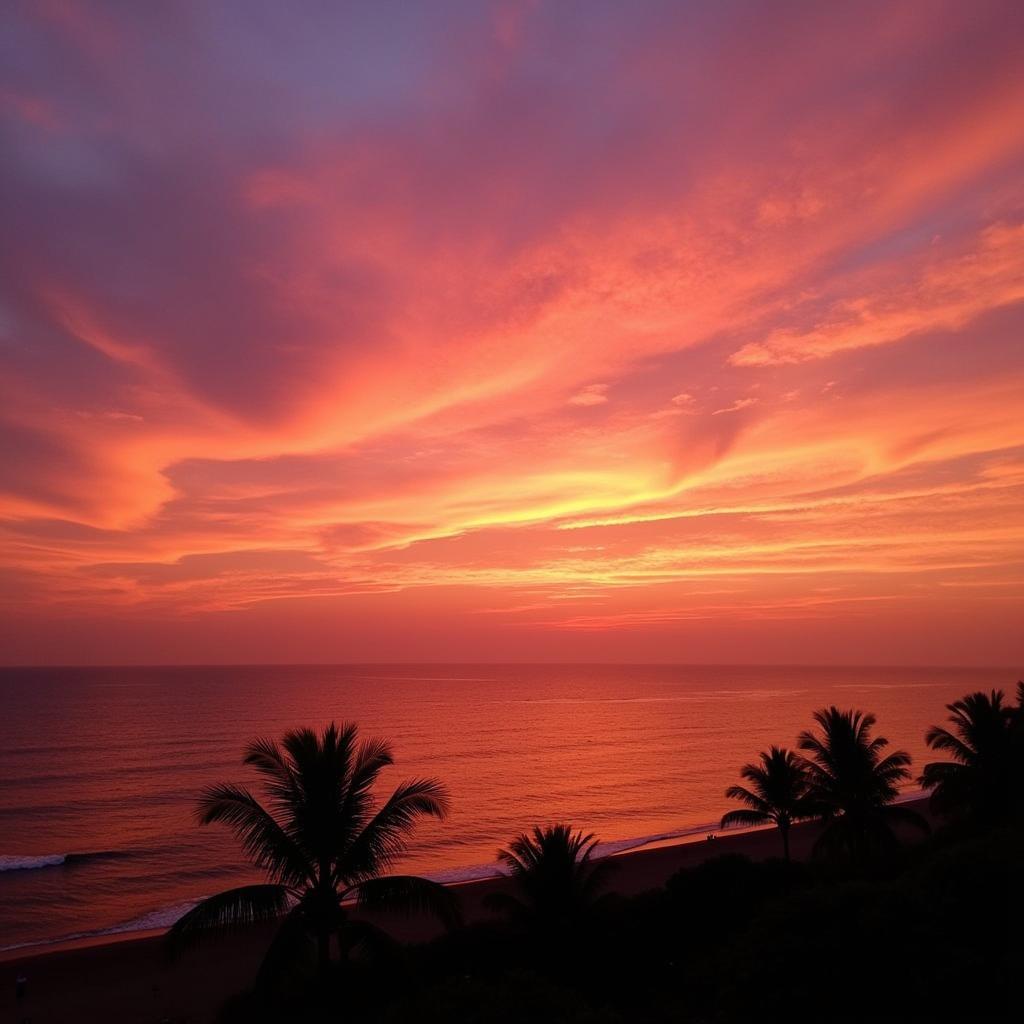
(154, 920)
(47, 860)
(616, 846)
(472, 873)
(164, 917)
(25, 862)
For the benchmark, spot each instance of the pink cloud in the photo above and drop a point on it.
(337, 322)
(592, 394)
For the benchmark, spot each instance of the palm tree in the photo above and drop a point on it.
(852, 784)
(777, 793)
(322, 839)
(557, 883)
(985, 779)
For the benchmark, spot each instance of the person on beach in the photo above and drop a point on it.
(20, 991)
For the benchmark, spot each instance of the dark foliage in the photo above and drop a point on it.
(557, 884)
(853, 784)
(928, 933)
(776, 794)
(513, 998)
(984, 781)
(889, 950)
(324, 841)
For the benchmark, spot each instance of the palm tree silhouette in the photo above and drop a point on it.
(986, 742)
(777, 793)
(852, 784)
(323, 840)
(557, 882)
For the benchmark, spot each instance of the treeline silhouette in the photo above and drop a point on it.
(869, 927)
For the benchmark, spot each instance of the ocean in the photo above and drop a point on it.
(100, 767)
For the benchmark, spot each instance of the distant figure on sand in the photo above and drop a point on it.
(20, 991)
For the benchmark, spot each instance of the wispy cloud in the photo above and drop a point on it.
(945, 295)
(383, 342)
(592, 394)
(737, 406)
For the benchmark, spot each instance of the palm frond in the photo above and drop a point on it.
(524, 852)
(228, 911)
(743, 817)
(385, 836)
(368, 761)
(265, 842)
(752, 800)
(942, 739)
(778, 792)
(408, 894)
(852, 782)
(939, 771)
(266, 757)
(318, 838)
(556, 878)
(986, 744)
(897, 761)
(303, 750)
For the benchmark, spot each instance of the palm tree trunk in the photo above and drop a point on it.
(323, 951)
(323, 931)
(784, 829)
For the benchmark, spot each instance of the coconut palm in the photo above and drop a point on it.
(557, 883)
(777, 793)
(984, 779)
(323, 840)
(853, 783)
(1017, 713)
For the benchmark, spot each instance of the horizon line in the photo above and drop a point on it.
(513, 664)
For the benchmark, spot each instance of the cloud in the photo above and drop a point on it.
(737, 406)
(945, 295)
(592, 394)
(321, 328)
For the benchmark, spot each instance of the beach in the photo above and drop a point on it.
(132, 981)
(102, 768)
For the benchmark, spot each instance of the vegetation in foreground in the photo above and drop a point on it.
(869, 930)
(324, 844)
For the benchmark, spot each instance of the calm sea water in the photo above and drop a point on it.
(100, 768)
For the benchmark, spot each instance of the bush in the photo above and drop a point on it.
(512, 998)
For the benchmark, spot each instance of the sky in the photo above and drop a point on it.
(512, 331)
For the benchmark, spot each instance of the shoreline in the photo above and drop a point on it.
(476, 874)
(127, 977)
(448, 877)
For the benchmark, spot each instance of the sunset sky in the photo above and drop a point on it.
(512, 331)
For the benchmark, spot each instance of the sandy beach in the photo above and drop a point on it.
(131, 981)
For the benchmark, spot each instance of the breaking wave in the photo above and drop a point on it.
(25, 862)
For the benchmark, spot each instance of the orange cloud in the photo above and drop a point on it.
(945, 296)
(456, 330)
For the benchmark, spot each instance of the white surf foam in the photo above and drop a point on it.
(24, 863)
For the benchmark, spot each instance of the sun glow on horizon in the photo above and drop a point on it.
(663, 333)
